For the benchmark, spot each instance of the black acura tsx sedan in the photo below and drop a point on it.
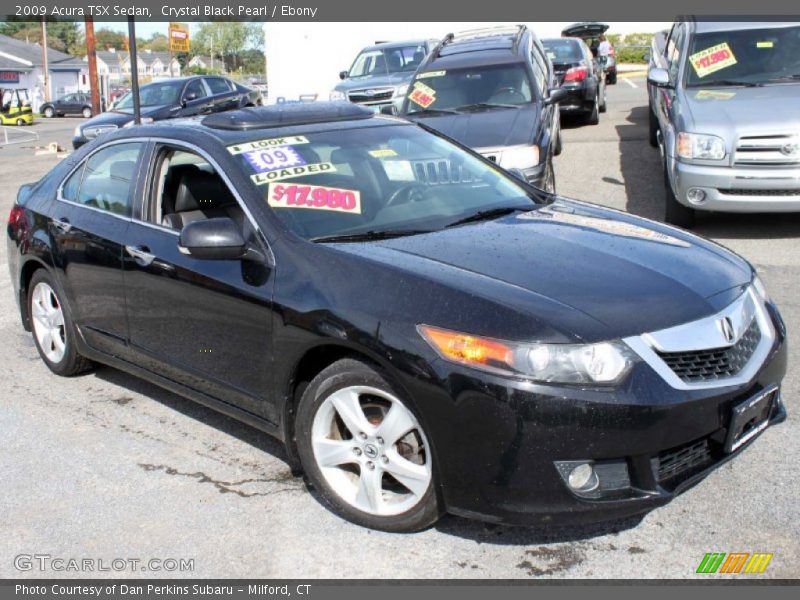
(425, 331)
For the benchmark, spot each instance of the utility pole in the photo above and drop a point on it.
(45, 66)
(91, 55)
(137, 111)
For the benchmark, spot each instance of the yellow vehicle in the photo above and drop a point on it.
(16, 107)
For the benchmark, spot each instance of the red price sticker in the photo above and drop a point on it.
(712, 59)
(422, 95)
(316, 197)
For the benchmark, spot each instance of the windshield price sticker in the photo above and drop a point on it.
(316, 197)
(422, 95)
(290, 172)
(277, 157)
(292, 140)
(712, 59)
(432, 74)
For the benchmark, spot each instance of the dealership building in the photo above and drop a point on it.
(21, 67)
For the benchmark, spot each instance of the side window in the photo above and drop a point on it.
(70, 189)
(539, 71)
(218, 85)
(108, 178)
(675, 50)
(195, 88)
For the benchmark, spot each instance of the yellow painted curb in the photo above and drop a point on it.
(632, 74)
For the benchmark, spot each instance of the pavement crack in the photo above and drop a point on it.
(230, 487)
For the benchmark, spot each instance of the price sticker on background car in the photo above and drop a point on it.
(269, 159)
(712, 59)
(316, 197)
(422, 95)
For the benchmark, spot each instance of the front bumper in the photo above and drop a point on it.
(737, 189)
(498, 447)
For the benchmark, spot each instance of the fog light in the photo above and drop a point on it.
(583, 478)
(695, 195)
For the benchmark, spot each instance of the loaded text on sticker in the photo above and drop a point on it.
(270, 143)
(290, 172)
(317, 197)
(431, 74)
(277, 157)
(712, 59)
(382, 153)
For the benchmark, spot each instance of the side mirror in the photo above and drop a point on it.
(388, 109)
(658, 77)
(556, 95)
(188, 98)
(342, 74)
(213, 239)
(518, 173)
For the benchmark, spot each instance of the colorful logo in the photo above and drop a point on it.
(734, 563)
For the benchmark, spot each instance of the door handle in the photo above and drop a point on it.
(63, 224)
(140, 255)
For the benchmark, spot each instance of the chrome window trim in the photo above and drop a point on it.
(685, 337)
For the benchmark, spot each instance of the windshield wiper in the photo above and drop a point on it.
(731, 82)
(434, 111)
(486, 105)
(792, 77)
(491, 213)
(384, 234)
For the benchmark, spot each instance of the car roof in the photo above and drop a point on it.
(263, 122)
(478, 47)
(401, 44)
(707, 26)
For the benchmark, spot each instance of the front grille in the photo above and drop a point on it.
(746, 192)
(779, 150)
(371, 96)
(440, 172)
(682, 460)
(715, 363)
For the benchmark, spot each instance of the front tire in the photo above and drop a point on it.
(364, 450)
(676, 213)
(49, 113)
(652, 123)
(53, 331)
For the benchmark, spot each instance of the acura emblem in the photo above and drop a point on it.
(790, 149)
(726, 327)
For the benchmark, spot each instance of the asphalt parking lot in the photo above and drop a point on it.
(105, 465)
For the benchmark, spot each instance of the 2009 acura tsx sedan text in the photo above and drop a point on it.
(422, 329)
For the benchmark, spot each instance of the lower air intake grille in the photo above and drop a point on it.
(680, 460)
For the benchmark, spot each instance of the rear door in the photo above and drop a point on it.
(89, 222)
(203, 323)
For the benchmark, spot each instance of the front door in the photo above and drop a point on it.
(203, 323)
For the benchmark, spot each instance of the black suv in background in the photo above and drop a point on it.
(490, 89)
(580, 75)
(169, 98)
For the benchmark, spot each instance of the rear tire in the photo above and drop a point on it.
(676, 213)
(87, 113)
(53, 331)
(49, 113)
(604, 103)
(611, 78)
(559, 145)
(593, 117)
(375, 476)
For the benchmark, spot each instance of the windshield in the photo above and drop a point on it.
(154, 94)
(562, 50)
(754, 56)
(374, 179)
(461, 88)
(388, 60)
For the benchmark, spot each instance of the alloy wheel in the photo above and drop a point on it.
(371, 450)
(48, 322)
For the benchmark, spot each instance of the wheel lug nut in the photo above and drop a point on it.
(371, 465)
(379, 440)
(384, 459)
(362, 435)
(357, 451)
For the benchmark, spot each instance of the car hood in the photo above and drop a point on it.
(624, 274)
(758, 109)
(374, 81)
(486, 128)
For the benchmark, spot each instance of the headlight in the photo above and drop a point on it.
(758, 286)
(142, 121)
(336, 95)
(400, 91)
(602, 363)
(698, 145)
(77, 132)
(523, 157)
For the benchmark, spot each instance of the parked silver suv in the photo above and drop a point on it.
(725, 113)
